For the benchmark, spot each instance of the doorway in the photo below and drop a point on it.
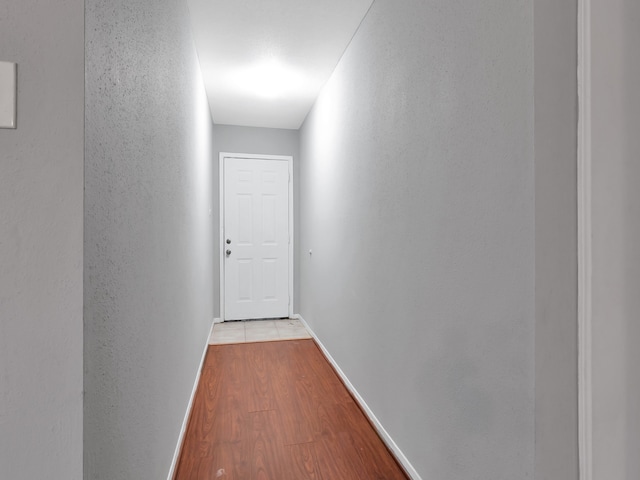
(256, 236)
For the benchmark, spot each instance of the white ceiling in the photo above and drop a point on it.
(264, 62)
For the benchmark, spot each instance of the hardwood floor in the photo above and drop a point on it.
(278, 411)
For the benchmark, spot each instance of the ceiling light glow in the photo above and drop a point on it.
(270, 79)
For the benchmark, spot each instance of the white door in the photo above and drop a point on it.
(256, 238)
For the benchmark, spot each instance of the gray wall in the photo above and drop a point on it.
(556, 241)
(41, 243)
(417, 181)
(266, 141)
(148, 234)
(616, 238)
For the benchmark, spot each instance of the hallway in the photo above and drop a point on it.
(276, 410)
(434, 230)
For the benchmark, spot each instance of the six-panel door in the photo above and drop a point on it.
(256, 234)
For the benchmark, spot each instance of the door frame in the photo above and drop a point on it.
(585, 293)
(281, 158)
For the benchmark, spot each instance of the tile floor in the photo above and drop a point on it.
(257, 331)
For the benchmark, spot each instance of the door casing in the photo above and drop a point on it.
(279, 158)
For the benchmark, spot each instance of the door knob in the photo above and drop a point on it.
(228, 252)
(228, 241)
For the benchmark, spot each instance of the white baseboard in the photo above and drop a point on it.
(217, 320)
(183, 429)
(386, 438)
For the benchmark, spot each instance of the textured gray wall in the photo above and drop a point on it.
(616, 238)
(41, 243)
(148, 234)
(267, 141)
(556, 128)
(417, 181)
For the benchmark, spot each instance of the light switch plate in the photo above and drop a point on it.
(8, 84)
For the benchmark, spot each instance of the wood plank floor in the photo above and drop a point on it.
(278, 411)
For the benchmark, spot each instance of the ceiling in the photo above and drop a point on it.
(264, 62)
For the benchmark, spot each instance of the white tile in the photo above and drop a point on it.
(292, 328)
(302, 336)
(259, 324)
(229, 336)
(293, 332)
(225, 326)
(258, 334)
(290, 322)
